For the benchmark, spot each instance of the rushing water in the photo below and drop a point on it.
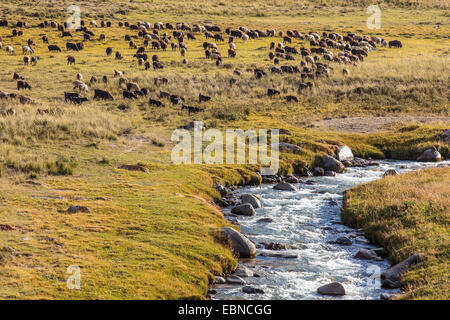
(308, 219)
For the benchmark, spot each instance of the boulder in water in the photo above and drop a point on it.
(391, 278)
(332, 289)
(251, 199)
(430, 155)
(252, 290)
(330, 163)
(285, 186)
(235, 280)
(318, 172)
(344, 153)
(244, 247)
(245, 209)
(365, 254)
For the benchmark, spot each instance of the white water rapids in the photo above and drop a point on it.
(308, 219)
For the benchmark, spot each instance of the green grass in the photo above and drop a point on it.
(408, 214)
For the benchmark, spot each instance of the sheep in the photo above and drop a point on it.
(70, 60)
(395, 44)
(155, 102)
(93, 80)
(232, 46)
(272, 92)
(122, 81)
(245, 37)
(183, 52)
(17, 76)
(80, 85)
(105, 79)
(79, 77)
(27, 49)
(9, 50)
(132, 86)
(102, 94)
(23, 85)
(109, 51)
(345, 72)
(118, 55)
(309, 59)
(202, 98)
(26, 60)
(53, 47)
(118, 73)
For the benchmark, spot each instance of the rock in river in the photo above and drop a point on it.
(252, 290)
(366, 254)
(430, 155)
(344, 153)
(331, 164)
(245, 209)
(391, 278)
(243, 246)
(249, 198)
(243, 272)
(235, 280)
(343, 241)
(332, 289)
(285, 186)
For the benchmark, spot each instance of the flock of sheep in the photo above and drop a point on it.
(316, 52)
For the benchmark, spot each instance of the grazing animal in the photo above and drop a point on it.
(17, 76)
(23, 85)
(291, 98)
(26, 60)
(163, 94)
(132, 86)
(45, 39)
(191, 109)
(71, 46)
(9, 50)
(395, 44)
(272, 92)
(118, 73)
(129, 95)
(109, 51)
(80, 85)
(93, 80)
(70, 95)
(176, 99)
(54, 47)
(102, 94)
(27, 49)
(202, 98)
(70, 60)
(156, 103)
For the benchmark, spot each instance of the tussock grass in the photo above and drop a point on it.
(408, 214)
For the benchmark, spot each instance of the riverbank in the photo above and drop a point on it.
(408, 214)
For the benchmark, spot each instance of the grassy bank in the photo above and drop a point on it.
(408, 214)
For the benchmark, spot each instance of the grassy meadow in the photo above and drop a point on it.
(155, 235)
(411, 217)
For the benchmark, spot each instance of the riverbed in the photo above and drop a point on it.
(307, 221)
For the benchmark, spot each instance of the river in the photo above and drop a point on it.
(306, 221)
